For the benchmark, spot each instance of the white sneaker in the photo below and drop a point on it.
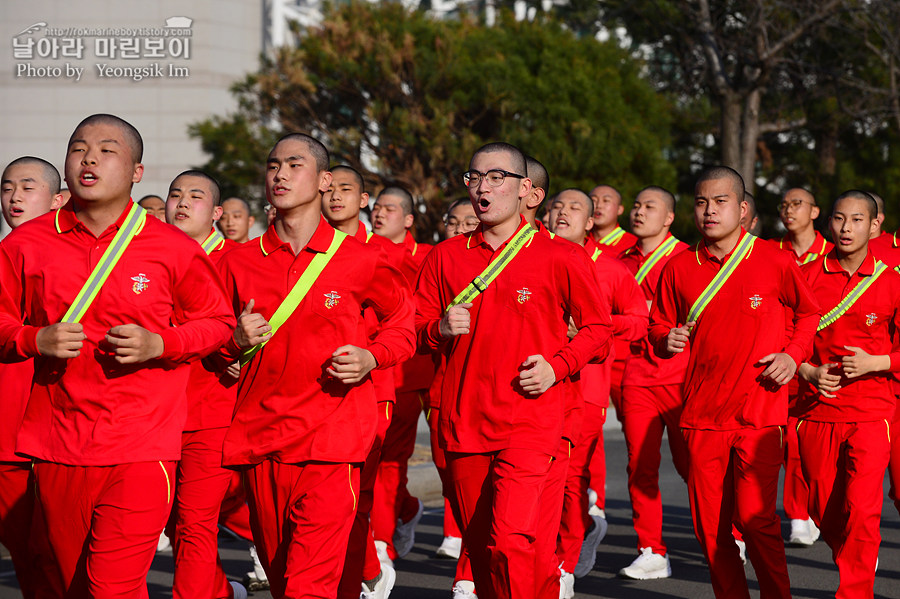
(238, 590)
(163, 544)
(257, 579)
(742, 550)
(588, 556)
(802, 533)
(566, 584)
(595, 511)
(592, 498)
(383, 557)
(461, 590)
(450, 548)
(647, 566)
(383, 587)
(405, 533)
(813, 530)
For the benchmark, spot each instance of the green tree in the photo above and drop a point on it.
(406, 99)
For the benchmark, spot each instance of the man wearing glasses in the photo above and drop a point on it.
(501, 416)
(798, 210)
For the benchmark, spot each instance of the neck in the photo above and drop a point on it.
(399, 237)
(852, 261)
(801, 241)
(201, 237)
(722, 247)
(350, 227)
(98, 217)
(648, 244)
(297, 225)
(496, 235)
(530, 217)
(601, 232)
(876, 233)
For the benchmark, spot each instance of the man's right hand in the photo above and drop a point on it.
(456, 320)
(678, 338)
(252, 329)
(61, 340)
(819, 377)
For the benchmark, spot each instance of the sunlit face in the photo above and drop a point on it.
(292, 177)
(571, 216)
(388, 218)
(717, 209)
(26, 194)
(607, 206)
(154, 206)
(851, 225)
(497, 205)
(798, 210)
(99, 164)
(344, 198)
(650, 215)
(191, 206)
(461, 220)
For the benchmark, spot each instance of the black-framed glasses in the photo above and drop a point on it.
(494, 177)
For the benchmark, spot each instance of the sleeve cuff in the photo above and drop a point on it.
(895, 361)
(560, 368)
(28, 341)
(172, 346)
(796, 353)
(381, 355)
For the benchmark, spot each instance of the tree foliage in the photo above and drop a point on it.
(406, 98)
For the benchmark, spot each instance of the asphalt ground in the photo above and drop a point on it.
(421, 576)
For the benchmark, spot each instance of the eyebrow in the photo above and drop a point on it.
(28, 179)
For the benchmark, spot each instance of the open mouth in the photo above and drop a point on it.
(88, 178)
(16, 211)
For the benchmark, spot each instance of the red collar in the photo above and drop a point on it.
(476, 238)
(833, 266)
(66, 219)
(703, 252)
(319, 242)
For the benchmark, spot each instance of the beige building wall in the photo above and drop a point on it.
(40, 108)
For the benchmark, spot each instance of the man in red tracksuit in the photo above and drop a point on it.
(107, 408)
(846, 397)
(499, 451)
(579, 533)
(201, 483)
(652, 391)
(731, 314)
(798, 210)
(341, 206)
(30, 188)
(305, 418)
(396, 512)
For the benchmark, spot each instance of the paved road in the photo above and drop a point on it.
(421, 577)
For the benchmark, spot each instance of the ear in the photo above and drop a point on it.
(217, 214)
(408, 221)
(621, 210)
(744, 208)
(524, 187)
(363, 200)
(535, 199)
(57, 202)
(138, 173)
(325, 181)
(874, 227)
(814, 213)
(670, 218)
(589, 225)
(252, 220)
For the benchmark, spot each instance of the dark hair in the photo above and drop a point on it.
(855, 194)
(518, 158)
(356, 175)
(714, 173)
(213, 184)
(316, 148)
(406, 199)
(667, 195)
(878, 201)
(538, 174)
(615, 191)
(49, 172)
(453, 205)
(132, 136)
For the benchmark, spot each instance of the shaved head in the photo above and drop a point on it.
(132, 136)
(714, 173)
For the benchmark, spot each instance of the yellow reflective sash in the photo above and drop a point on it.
(596, 254)
(613, 236)
(809, 258)
(213, 242)
(487, 276)
(664, 249)
(133, 224)
(297, 293)
(369, 236)
(740, 252)
(832, 315)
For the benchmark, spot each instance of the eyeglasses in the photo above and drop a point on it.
(494, 177)
(792, 204)
(468, 223)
